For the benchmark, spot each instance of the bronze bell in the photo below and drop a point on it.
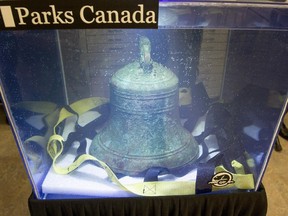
(144, 129)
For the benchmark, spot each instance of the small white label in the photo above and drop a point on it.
(7, 15)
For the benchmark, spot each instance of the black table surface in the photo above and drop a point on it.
(226, 204)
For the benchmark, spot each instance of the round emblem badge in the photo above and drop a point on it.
(222, 179)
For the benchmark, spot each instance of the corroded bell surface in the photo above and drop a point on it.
(144, 129)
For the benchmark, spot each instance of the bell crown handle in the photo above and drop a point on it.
(145, 54)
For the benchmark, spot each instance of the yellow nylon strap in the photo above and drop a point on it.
(50, 116)
(238, 167)
(55, 148)
(64, 114)
(162, 188)
(87, 104)
(241, 181)
(80, 107)
(53, 117)
(50, 120)
(250, 161)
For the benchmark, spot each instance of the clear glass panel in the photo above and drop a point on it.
(201, 95)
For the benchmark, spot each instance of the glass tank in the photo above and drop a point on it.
(191, 107)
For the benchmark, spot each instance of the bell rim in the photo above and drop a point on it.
(136, 160)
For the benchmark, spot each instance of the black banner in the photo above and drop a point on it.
(52, 14)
